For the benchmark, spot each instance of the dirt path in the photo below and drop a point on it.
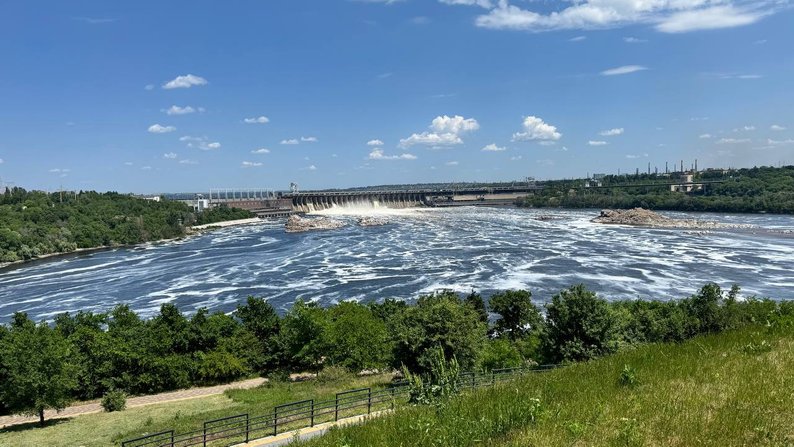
(132, 402)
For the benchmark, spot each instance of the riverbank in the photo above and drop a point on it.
(228, 223)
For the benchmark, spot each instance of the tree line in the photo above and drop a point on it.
(752, 190)
(88, 355)
(36, 223)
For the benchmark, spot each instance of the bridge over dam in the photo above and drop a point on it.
(284, 204)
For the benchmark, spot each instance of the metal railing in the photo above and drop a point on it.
(243, 428)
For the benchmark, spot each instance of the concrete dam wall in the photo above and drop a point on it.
(310, 202)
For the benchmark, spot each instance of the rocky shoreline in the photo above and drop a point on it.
(641, 217)
(297, 224)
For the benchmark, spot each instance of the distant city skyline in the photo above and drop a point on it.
(179, 96)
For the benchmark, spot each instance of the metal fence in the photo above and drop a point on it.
(243, 428)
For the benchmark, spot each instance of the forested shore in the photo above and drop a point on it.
(753, 190)
(35, 224)
(87, 355)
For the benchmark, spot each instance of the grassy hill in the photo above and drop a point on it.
(733, 388)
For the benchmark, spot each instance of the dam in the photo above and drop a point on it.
(280, 204)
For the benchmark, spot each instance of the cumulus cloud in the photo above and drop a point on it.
(60, 170)
(251, 164)
(744, 128)
(772, 142)
(776, 127)
(257, 120)
(311, 168)
(261, 150)
(202, 143)
(625, 69)
(176, 110)
(185, 81)
(632, 156)
(597, 143)
(536, 129)
(291, 141)
(611, 132)
(170, 155)
(445, 131)
(309, 139)
(2, 161)
(577, 39)
(188, 162)
(157, 128)
(705, 136)
(146, 168)
(516, 157)
(377, 154)
(630, 39)
(373, 143)
(669, 16)
(493, 148)
(452, 163)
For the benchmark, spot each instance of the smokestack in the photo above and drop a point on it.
(696, 165)
(665, 168)
(649, 168)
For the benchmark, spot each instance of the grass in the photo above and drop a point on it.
(734, 388)
(109, 429)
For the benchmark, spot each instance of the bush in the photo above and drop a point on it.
(333, 374)
(581, 326)
(441, 381)
(114, 400)
(628, 376)
(500, 353)
(220, 367)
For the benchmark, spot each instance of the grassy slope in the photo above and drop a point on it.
(711, 390)
(108, 429)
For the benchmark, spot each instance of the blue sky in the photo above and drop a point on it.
(185, 96)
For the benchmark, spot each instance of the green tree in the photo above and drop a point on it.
(580, 326)
(518, 316)
(475, 301)
(356, 338)
(35, 363)
(301, 341)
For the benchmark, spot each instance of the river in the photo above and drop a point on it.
(418, 251)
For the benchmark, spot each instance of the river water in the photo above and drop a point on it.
(418, 251)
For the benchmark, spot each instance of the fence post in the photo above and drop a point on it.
(204, 437)
(275, 422)
(493, 377)
(392, 398)
(172, 438)
(369, 400)
(336, 408)
(312, 424)
(247, 427)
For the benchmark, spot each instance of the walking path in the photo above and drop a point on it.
(309, 432)
(132, 402)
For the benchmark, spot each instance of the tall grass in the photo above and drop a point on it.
(719, 390)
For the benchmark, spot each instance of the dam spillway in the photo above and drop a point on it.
(310, 202)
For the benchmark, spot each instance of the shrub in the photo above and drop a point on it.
(114, 400)
(333, 374)
(441, 381)
(500, 353)
(628, 376)
(219, 367)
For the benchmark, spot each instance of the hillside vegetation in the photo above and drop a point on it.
(726, 389)
(753, 190)
(35, 223)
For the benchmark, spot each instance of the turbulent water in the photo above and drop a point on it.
(419, 251)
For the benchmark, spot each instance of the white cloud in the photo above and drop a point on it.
(776, 127)
(257, 120)
(128, 163)
(630, 39)
(170, 155)
(185, 81)
(625, 69)
(493, 148)
(452, 163)
(446, 131)
(290, 141)
(312, 168)
(149, 87)
(516, 157)
(611, 132)
(176, 110)
(577, 39)
(772, 142)
(705, 136)
(188, 162)
(377, 154)
(385, 75)
(309, 139)
(744, 128)
(146, 168)
(482, 3)
(60, 170)
(251, 164)
(156, 128)
(536, 129)
(733, 140)
(261, 150)
(670, 16)
(597, 143)
(715, 17)
(200, 143)
(454, 124)
(375, 142)
(632, 156)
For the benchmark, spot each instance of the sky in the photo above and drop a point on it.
(180, 96)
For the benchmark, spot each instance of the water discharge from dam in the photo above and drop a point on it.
(420, 250)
